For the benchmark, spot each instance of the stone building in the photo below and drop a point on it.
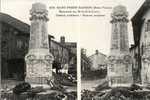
(119, 70)
(141, 32)
(14, 46)
(60, 52)
(15, 43)
(98, 61)
(72, 46)
(65, 54)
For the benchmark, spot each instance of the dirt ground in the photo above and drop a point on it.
(9, 83)
(91, 84)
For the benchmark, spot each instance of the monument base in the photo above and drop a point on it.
(39, 67)
(121, 81)
(120, 70)
(40, 81)
(37, 80)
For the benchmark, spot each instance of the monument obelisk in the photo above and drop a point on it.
(119, 61)
(39, 59)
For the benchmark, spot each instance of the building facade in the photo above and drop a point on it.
(141, 32)
(72, 47)
(14, 46)
(98, 61)
(15, 43)
(136, 64)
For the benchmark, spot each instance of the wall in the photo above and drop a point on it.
(98, 61)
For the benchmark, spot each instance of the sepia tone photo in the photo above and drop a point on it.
(36, 62)
(75, 49)
(119, 71)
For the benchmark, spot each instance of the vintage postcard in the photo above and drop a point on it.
(75, 49)
(38, 51)
(115, 50)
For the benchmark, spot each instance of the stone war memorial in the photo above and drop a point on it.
(119, 61)
(41, 81)
(119, 83)
(39, 59)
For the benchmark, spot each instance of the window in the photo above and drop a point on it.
(147, 26)
(19, 44)
(142, 49)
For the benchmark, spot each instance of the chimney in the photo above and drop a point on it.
(96, 52)
(62, 39)
(83, 51)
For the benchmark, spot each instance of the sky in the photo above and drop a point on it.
(91, 33)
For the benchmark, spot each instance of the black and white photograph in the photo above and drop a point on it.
(75, 49)
(115, 54)
(38, 52)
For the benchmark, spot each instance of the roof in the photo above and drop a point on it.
(137, 20)
(71, 44)
(60, 44)
(19, 25)
(98, 53)
(25, 28)
(141, 10)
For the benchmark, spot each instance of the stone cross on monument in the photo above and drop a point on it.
(119, 61)
(39, 59)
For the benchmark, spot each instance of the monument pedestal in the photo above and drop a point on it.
(39, 66)
(120, 70)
